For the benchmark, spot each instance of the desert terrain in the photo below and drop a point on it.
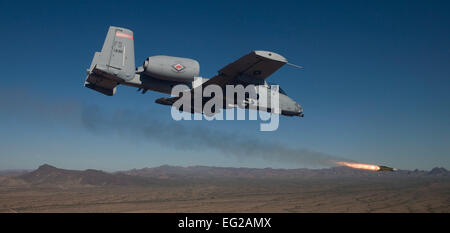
(216, 189)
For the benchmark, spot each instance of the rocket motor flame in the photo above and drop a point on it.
(360, 166)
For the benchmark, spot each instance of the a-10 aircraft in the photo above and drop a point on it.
(115, 65)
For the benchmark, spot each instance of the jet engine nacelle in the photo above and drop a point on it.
(172, 68)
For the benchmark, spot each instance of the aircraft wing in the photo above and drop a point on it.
(252, 68)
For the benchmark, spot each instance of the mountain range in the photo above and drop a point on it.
(50, 175)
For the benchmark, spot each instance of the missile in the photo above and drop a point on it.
(385, 168)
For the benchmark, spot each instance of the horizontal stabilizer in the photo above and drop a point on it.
(108, 92)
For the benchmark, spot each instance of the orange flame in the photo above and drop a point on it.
(360, 166)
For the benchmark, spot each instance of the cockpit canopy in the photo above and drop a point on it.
(268, 84)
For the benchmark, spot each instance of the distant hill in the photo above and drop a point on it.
(439, 171)
(47, 174)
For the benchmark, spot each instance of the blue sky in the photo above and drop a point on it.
(375, 87)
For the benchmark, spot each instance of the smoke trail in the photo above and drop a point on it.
(178, 136)
(141, 125)
(25, 105)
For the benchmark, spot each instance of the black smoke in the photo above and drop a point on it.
(142, 126)
(176, 135)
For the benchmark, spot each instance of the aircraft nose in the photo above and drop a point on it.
(299, 109)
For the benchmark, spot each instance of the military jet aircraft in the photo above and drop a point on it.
(115, 65)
